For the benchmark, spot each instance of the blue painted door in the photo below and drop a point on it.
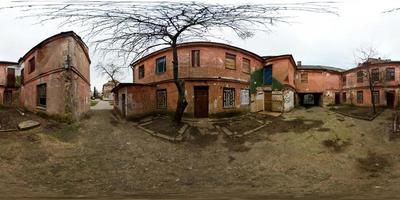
(268, 75)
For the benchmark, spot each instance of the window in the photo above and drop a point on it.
(22, 76)
(375, 97)
(116, 98)
(41, 95)
(32, 65)
(390, 74)
(360, 76)
(230, 61)
(304, 77)
(161, 98)
(359, 97)
(344, 98)
(244, 97)
(161, 65)
(375, 75)
(246, 65)
(141, 72)
(344, 79)
(229, 97)
(195, 58)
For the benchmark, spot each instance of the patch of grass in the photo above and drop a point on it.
(373, 163)
(93, 103)
(65, 132)
(336, 145)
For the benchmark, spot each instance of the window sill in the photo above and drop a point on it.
(230, 68)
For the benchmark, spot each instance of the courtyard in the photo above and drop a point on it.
(289, 156)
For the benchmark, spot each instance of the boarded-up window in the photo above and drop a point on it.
(245, 97)
(32, 65)
(375, 97)
(344, 79)
(141, 72)
(41, 95)
(10, 77)
(230, 61)
(246, 65)
(360, 76)
(375, 75)
(304, 77)
(161, 98)
(229, 97)
(195, 58)
(161, 65)
(390, 74)
(344, 98)
(360, 97)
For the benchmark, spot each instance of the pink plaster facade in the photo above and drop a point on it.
(61, 63)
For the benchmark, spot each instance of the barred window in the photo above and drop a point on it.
(230, 61)
(359, 97)
(390, 74)
(246, 65)
(161, 98)
(41, 95)
(360, 76)
(229, 97)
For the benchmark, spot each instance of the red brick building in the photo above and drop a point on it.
(217, 80)
(385, 75)
(55, 77)
(221, 78)
(9, 83)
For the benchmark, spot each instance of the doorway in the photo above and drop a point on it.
(267, 100)
(123, 104)
(8, 97)
(200, 101)
(390, 99)
(337, 98)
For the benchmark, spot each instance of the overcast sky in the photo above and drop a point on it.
(312, 38)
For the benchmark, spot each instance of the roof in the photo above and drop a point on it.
(283, 56)
(8, 63)
(55, 37)
(121, 85)
(197, 43)
(320, 67)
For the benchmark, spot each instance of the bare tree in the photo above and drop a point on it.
(365, 57)
(132, 29)
(112, 71)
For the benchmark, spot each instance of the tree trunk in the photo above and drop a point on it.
(180, 85)
(371, 88)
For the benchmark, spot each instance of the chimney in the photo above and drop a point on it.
(298, 63)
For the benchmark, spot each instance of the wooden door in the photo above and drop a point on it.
(268, 101)
(200, 101)
(390, 99)
(337, 98)
(123, 104)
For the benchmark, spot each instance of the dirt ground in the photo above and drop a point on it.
(103, 157)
